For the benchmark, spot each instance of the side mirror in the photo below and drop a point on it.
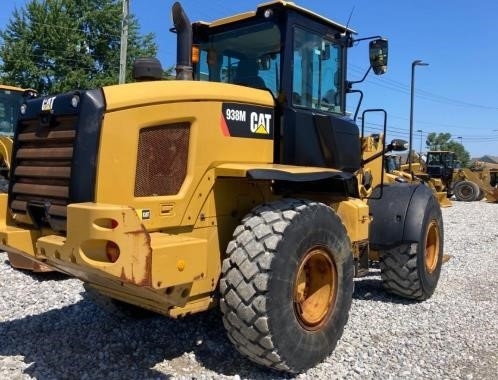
(397, 145)
(378, 50)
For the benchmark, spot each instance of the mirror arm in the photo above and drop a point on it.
(367, 38)
(350, 83)
(351, 91)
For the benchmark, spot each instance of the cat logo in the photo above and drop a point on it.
(260, 123)
(48, 104)
(247, 121)
(146, 214)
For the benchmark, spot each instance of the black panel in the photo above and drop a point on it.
(339, 142)
(340, 183)
(280, 175)
(323, 140)
(86, 146)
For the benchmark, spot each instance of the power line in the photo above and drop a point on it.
(423, 94)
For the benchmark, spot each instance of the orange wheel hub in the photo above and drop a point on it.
(432, 247)
(315, 288)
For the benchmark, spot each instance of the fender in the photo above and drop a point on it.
(291, 178)
(398, 215)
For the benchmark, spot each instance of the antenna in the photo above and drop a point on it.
(342, 36)
(349, 18)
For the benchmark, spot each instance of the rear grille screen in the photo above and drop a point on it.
(162, 160)
(42, 172)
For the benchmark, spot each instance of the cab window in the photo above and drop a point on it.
(317, 72)
(249, 56)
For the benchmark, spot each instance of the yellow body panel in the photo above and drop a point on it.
(208, 146)
(21, 238)
(5, 151)
(354, 216)
(11, 88)
(137, 95)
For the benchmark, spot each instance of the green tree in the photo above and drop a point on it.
(443, 141)
(60, 45)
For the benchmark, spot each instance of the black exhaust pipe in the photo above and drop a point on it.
(183, 43)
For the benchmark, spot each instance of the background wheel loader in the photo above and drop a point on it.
(11, 99)
(242, 184)
(443, 170)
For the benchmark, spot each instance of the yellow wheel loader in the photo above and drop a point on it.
(244, 184)
(466, 184)
(11, 99)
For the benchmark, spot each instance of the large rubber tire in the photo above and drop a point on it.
(466, 191)
(287, 284)
(411, 270)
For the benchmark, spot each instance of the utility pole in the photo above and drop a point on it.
(124, 41)
(415, 63)
(420, 151)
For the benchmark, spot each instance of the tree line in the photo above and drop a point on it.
(60, 45)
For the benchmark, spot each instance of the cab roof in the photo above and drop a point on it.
(279, 4)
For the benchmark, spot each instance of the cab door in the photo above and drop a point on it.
(315, 128)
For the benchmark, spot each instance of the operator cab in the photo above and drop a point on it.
(441, 164)
(11, 99)
(300, 57)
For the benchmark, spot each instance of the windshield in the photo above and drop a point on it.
(445, 159)
(247, 56)
(10, 102)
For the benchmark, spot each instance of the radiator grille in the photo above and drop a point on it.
(162, 160)
(42, 171)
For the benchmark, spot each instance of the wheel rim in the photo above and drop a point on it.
(315, 288)
(432, 247)
(466, 191)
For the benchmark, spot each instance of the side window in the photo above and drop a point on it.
(258, 72)
(316, 72)
(217, 68)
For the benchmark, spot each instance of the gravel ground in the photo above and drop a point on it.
(49, 328)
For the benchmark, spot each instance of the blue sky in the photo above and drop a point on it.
(457, 93)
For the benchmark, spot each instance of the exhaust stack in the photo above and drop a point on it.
(183, 43)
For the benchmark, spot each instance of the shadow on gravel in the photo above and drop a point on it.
(369, 288)
(41, 276)
(83, 341)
